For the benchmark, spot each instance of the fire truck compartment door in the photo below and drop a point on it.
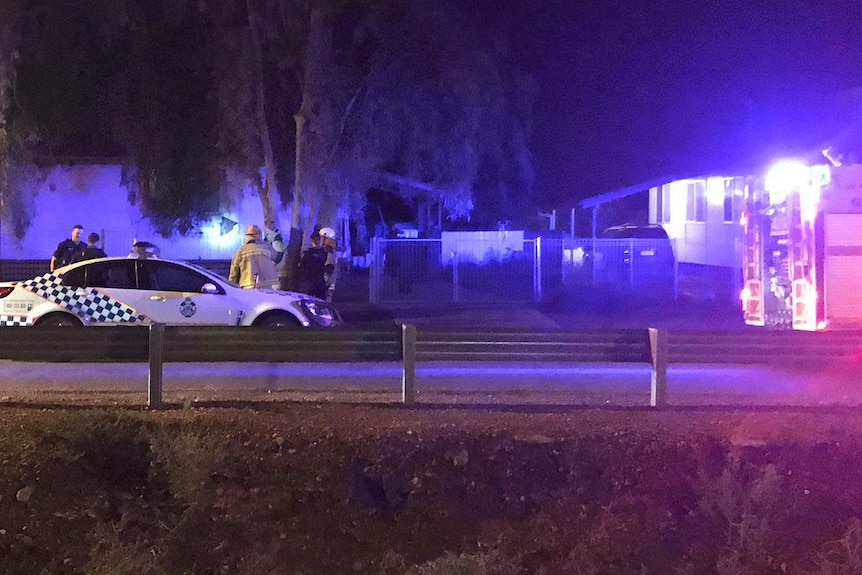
(843, 267)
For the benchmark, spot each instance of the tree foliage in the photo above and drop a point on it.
(416, 89)
(12, 206)
(124, 81)
(162, 109)
(327, 96)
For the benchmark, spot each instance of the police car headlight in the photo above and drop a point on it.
(323, 313)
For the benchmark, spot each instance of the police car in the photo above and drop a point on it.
(143, 288)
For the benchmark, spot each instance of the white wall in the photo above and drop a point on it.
(713, 242)
(92, 195)
(481, 247)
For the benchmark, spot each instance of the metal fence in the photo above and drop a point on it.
(485, 271)
(646, 267)
(14, 270)
(411, 270)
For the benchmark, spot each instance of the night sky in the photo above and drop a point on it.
(634, 91)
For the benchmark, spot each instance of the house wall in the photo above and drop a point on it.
(481, 247)
(713, 242)
(93, 195)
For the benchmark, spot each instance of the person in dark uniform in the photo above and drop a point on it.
(68, 248)
(312, 268)
(92, 251)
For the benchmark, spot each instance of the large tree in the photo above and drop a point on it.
(8, 51)
(421, 90)
(396, 87)
(12, 144)
(317, 99)
(160, 79)
(126, 81)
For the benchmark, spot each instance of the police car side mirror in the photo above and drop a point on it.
(209, 288)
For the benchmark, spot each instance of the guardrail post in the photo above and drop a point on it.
(156, 361)
(658, 352)
(408, 364)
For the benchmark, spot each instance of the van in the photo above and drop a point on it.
(633, 257)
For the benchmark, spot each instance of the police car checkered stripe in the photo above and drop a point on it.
(14, 320)
(91, 305)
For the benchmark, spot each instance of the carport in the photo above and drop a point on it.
(594, 202)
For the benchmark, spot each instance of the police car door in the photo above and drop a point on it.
(175, 294)
(105, 292)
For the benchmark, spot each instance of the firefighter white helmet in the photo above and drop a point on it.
(327, 233)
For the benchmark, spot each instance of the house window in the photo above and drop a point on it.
(733, 188)
(696, 202)
(663, 207)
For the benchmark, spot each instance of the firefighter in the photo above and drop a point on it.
(252, 265)
(328, 238)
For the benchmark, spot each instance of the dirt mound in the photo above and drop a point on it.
(273, 488)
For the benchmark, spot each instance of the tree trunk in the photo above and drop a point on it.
(8, 21)
(287, 271)
(299, 118)
(265, 187)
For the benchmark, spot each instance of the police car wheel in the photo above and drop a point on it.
(278, 319)
(59, 320)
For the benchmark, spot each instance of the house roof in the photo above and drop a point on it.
(595, 201)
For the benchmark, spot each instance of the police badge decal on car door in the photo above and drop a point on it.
(188, 307)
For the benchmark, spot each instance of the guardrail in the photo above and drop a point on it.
(157, 344)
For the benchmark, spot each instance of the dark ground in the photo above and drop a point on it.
(288, 488)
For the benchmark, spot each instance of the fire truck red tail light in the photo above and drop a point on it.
(4, 291)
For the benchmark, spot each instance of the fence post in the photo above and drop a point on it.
(537, 269)
(675, 271)
(156, 360)
(456, 289)
(374, 272)
(658, 352)
(408, 364)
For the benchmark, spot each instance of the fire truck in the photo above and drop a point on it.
(802, 247)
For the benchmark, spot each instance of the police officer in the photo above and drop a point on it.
(68, 248)
(312, 268)
(92, 251)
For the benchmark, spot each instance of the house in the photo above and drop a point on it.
(701, 215)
